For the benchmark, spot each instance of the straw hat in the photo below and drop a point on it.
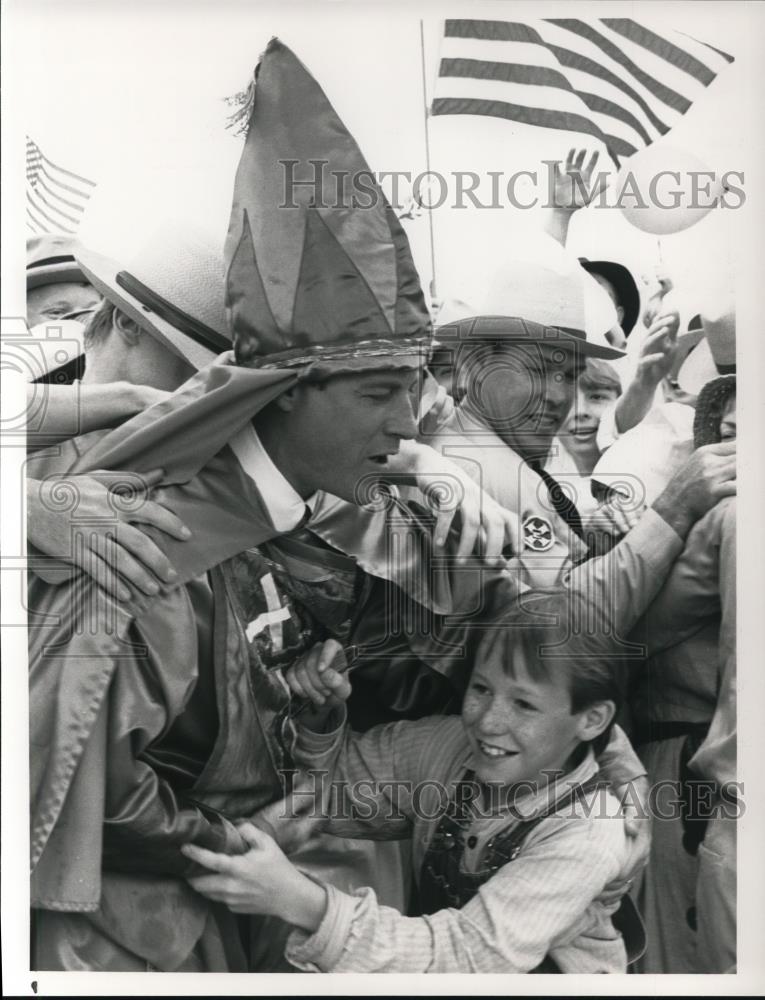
(50, 261)
(170, 282)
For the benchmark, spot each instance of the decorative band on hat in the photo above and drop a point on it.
(152, 302)
(505, 328)
(347, 349)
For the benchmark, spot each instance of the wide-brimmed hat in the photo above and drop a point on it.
(540, 292)
(715, 328)
(50, 261)
(171, 283)
(624, 285)
(316, 275)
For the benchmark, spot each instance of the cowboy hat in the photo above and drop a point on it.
(535, 295)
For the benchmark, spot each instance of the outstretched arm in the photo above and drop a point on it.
(58, 412)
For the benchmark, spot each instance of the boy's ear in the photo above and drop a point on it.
(595, 719)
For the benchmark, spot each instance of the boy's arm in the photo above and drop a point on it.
(509, 926)
(365, 783)
(357, 785)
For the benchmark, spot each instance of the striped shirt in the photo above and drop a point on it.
(544, 902)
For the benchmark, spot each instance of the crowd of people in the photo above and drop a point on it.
(365, 641)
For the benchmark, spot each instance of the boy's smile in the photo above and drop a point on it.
(519, 726)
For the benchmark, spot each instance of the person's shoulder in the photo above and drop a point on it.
(716, 522)
(596, 814)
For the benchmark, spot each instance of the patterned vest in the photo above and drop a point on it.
(443, 881)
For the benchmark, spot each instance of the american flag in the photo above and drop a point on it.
(613, 79)
(56, 198)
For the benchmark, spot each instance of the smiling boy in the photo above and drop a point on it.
(514, 836)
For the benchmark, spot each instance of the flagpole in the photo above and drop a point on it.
(427, 160)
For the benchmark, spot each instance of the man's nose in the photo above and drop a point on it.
(559, 392)
(402, 421)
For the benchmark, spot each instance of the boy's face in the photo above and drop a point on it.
(580, 430)
(519, 726)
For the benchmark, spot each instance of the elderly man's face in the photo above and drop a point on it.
(47, 303)
(525, 391)
(338, 436)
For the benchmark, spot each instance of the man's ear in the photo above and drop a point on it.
(595, 719)
(129, 330)
(286, 401)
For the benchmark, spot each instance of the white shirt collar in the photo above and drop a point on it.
(285, 506)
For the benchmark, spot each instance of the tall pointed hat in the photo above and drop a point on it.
(318, 267)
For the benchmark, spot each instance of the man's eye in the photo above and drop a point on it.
(380, 394)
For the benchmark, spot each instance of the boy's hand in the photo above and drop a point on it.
(246, 883)
(261, 881)
(319, 676)
(659, 349)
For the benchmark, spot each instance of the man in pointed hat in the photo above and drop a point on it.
(166, 720)
(134, 719)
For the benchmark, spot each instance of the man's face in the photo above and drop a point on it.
(525, 391)
(338, 436)
(580, 429)
(48, 303)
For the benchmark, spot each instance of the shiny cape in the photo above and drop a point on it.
(74, 664)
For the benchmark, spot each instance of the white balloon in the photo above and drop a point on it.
(664, 190)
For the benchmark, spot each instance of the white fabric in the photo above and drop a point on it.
(285, 506)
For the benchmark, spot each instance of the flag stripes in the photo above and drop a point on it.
(613, 79)
(56, 198)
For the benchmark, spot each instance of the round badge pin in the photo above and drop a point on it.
(538, 533)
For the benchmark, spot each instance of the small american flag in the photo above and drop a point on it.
(612, 79)
(56, 198)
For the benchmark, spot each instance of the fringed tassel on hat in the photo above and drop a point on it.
(244, 101)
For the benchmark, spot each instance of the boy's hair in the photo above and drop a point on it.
(560, 630)
(599, 374)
